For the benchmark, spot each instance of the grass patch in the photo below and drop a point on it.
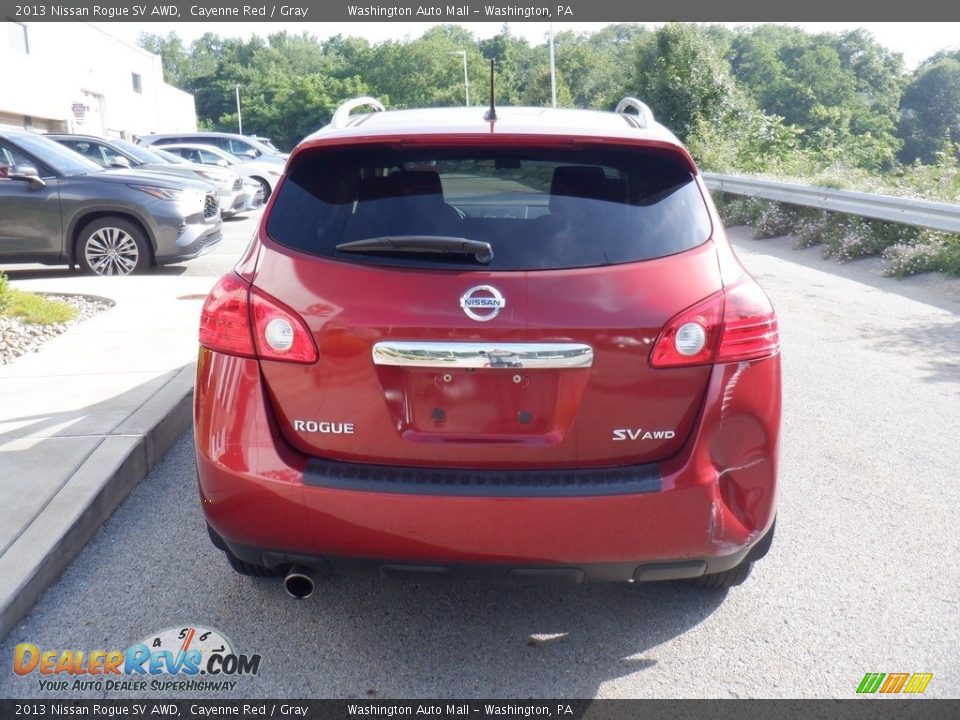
(35, 309)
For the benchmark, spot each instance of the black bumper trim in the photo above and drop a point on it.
(515, 574)
(483, 483)
(518, 573)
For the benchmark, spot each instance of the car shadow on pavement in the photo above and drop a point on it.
(14, 272)
(96, 419)
(464, 640)
(151, 566)
(935, 345)
(32, 272)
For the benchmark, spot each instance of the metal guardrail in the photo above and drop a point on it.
(908, 211)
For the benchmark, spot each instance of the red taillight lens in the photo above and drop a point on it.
(673, 348)
(278, 332)
(224, 320)
(735, 324)
(749, 324)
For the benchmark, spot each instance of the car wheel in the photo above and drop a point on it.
(266, 188)
(112, 246)
(727, 579)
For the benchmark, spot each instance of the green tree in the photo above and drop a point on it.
(514, 58)
(841, 89)
(540, 91)
(930, 109)
(686, 82)
(174, 56)
(597, 66)
(424, 72)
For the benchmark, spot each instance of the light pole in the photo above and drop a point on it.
(553, 71)
(239, 119)
(466, 78)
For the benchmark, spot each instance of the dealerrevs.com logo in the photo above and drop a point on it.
(894, 683)
(177, 659)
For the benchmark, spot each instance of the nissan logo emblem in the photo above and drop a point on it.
(482, 303)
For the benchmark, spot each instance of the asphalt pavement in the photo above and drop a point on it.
(88, 414)
(862, 576)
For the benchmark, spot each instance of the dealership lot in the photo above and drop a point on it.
(861, 577)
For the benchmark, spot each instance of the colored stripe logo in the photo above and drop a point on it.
(893, 683)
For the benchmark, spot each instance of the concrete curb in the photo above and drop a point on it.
(101, 483)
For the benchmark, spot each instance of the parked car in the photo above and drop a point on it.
(252, 196)
(233, 196)
(519, 347)
(57, 207)
(269, 143)
(240, 146)
(265, 174)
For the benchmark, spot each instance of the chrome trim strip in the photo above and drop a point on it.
(499, 356)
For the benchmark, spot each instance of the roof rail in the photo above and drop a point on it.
(644, 113)
(342, 115)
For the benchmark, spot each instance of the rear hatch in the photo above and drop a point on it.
(486, 306)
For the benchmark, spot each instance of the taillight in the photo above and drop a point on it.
(675, 345)
(749, 324)
(280, 333)
(225, 318)
(737, 323)
(239, 320)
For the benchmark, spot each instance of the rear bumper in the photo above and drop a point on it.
(564, 574)
(713, 502)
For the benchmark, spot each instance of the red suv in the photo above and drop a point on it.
(517, 346)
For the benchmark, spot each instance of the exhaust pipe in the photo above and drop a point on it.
(299, 582)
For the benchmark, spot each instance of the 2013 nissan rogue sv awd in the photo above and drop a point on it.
(518, 346)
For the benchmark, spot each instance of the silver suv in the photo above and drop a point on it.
(241, 146)
(58, 208)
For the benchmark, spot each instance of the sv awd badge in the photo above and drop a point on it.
(641, 434)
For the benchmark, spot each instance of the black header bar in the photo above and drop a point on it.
(473, 11)
(435, 709)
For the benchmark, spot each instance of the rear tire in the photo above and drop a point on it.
(112, 246)
(727, 579)
(736, 575)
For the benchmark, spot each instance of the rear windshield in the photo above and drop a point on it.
(536, 208)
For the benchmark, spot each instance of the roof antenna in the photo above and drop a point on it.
(491, 114)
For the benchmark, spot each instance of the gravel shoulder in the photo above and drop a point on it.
(19, 338)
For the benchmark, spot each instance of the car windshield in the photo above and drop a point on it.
(211, 155)
(535, 208)
(169, 157)
(140, 153)
(62, 160)
(268, 143)
(261, 146)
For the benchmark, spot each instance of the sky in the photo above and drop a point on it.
(916, 41)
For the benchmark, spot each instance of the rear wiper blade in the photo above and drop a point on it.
(422, 244)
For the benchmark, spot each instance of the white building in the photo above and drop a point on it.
(74, 77)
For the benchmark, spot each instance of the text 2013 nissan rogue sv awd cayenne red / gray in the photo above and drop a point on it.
(520, 347)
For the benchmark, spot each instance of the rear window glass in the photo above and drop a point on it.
(536, 208)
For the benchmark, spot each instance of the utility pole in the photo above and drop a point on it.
(553, 70)
(466, 78)
(240, 119)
